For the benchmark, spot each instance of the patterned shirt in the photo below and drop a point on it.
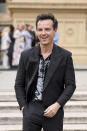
(43, 66)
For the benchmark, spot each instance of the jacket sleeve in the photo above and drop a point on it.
(20, 83)
(69, 82)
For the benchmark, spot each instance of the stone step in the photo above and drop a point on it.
(10, 127)
(69, 118)
(71, 106)
(75, 127)
(9, 106)
(75, 117)
(10, 96)
(10, 118)
(7, 96)
(67, 127)
(7, 81)
(79, 95)
(76, 106)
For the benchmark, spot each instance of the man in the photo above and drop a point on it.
(45, 80)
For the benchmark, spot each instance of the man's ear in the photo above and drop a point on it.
(55, 31)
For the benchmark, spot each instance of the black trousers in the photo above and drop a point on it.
(33, 119)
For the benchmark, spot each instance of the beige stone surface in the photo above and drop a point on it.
(71, 15)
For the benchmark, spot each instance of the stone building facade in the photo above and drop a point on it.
(71, 15)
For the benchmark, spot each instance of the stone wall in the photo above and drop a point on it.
(72, 17)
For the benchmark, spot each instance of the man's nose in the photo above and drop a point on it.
(43, 32)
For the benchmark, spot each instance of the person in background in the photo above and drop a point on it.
(33, 36)
(56, 37)
(28, 37)
(0, 48)
(0, 39)
(5, 42)
(18, 45)
(11, 46)
(45, 80)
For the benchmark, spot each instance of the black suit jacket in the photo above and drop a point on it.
(59, 82)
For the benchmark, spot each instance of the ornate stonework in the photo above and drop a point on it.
(72, 17)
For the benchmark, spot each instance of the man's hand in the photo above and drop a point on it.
(52, 110)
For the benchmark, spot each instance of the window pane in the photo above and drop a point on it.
(2, 7)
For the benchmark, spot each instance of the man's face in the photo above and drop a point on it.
(45, 31)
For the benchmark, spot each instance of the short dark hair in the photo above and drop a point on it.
(46, 17)
(56, 24)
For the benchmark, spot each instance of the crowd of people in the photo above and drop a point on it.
(14, 41)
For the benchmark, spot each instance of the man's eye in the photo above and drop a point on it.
(39, 29)
(47, 29)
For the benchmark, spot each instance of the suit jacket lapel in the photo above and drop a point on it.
(54, 63)
(33, 65)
